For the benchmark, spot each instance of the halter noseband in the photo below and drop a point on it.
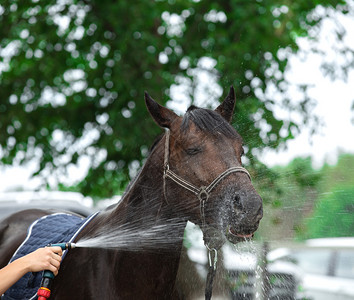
(204, 191)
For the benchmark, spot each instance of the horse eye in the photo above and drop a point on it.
(193, 151)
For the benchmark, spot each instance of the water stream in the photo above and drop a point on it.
(134, 237)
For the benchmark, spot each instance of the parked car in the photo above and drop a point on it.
(328, 266)
(64, 201)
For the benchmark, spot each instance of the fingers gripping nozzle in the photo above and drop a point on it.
(48, 276)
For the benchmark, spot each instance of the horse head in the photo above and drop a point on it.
(203, 174)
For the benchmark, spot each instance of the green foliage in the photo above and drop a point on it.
(333, 214)
(291, 197)
(73, 73)
(341, 174)
(302, 173)
(296, 182)
(312, 203)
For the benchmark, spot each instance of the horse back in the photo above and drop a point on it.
(13, 231)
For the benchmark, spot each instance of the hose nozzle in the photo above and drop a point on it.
(63, 246)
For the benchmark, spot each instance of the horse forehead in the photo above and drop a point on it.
(223, 150)
(192, 134)
(211, 139)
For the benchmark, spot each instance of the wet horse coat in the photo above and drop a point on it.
(202, 146)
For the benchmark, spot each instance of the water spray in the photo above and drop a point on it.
(48, 276)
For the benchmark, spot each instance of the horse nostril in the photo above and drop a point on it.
(237, 202)
(259, 215)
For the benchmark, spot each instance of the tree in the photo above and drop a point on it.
(294, 200)
(332, 211)
(333, 214)
(72, 76)
(339, 175)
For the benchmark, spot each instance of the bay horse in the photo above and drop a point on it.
(193, 173)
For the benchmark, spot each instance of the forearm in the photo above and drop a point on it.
(41, 259)
(10, 274)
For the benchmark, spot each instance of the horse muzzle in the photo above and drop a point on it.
(242, 214)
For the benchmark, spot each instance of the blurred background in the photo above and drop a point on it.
(74, 129)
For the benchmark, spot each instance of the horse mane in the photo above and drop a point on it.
(132, 181)
(208, 121)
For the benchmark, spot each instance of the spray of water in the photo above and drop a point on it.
(135, 238)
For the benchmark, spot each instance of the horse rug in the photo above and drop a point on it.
(50, 229)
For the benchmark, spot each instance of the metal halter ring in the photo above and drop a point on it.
(203, 194)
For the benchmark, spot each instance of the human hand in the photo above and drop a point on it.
(42, 259)
(48, 258)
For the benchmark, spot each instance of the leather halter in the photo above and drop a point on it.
(202, 192)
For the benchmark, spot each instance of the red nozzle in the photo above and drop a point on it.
(43, 293)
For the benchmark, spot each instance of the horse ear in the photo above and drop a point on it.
(162, 115)
(226, 109)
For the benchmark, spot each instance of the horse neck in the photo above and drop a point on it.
(144, 201)
(144, 206)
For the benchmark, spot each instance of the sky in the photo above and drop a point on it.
(334, 100)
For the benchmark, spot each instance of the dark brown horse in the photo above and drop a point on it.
(193, 173)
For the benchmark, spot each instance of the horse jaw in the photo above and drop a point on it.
(213, 237)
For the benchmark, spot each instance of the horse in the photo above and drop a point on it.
(192, 173)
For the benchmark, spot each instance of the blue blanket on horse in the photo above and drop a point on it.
(51, 229)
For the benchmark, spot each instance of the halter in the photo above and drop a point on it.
(202, 193)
